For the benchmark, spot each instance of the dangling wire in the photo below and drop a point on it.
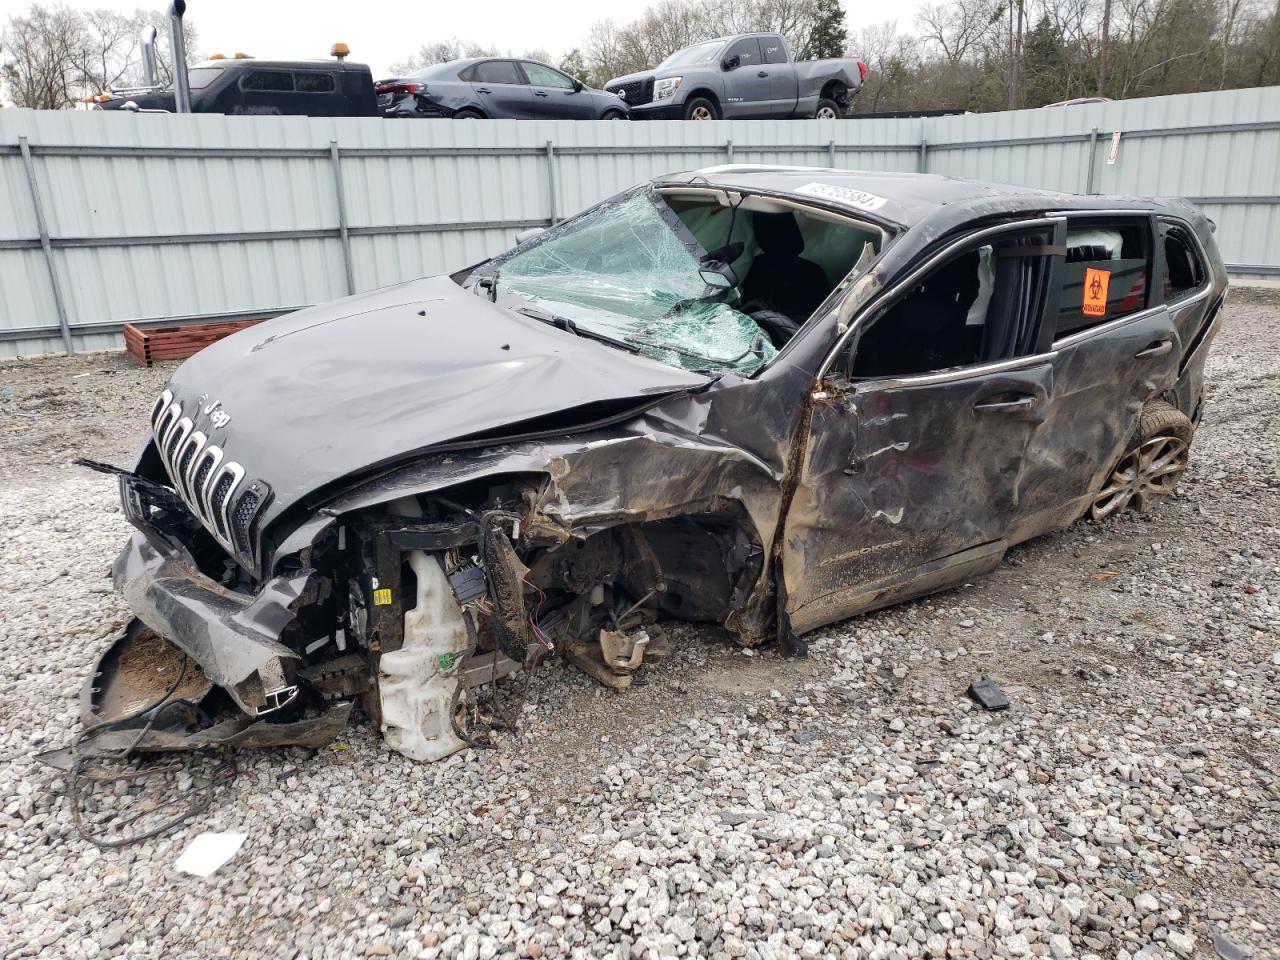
(78, 777)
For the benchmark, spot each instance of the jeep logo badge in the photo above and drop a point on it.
(217, 416)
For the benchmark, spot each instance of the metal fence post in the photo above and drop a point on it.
(728, 149)
(343, 234)
(42, 225)
(831, 153)
(551, 182)
(924, 156)
(1093, 160)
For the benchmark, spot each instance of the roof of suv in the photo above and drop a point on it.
(901, 198)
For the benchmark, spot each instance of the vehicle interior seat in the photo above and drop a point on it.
(926, 330)
(780, 280)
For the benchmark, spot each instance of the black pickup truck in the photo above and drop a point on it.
(243, 85)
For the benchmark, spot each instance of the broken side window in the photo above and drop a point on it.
(1184, 271)
(1105, 276)
(978, 306)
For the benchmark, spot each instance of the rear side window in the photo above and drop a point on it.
(496, 71)
(1184, 270)
(773, 50)
(1106, 273)
(747, 50)
(313, 82)
(275, 80)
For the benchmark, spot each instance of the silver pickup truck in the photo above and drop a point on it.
(748, 75)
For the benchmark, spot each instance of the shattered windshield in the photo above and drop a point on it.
(631, 271)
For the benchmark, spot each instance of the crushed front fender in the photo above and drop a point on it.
(234, 637)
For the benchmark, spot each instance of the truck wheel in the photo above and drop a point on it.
(827, 110)
(614, 115)
(468, 114)
(1149, 468)
(700, 108)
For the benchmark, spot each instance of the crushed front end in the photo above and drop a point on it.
(422, 605)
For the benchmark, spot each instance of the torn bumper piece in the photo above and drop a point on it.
(235, 638)
(177, 730)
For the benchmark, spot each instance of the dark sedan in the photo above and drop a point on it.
(498, 89)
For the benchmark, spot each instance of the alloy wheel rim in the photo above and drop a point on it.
(826, 113)
(701, 113)
(1143, 475)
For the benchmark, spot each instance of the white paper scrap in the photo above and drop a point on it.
(207, 852)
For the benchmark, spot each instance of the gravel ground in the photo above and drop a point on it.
(853, 804)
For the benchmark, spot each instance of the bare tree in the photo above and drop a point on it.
(957, 29)
(1104, 49)
(442, 51)
(893, 61)
(43, 49)
(55, 55)
(111, 47)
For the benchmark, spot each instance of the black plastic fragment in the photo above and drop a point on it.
(986, 693)
(469, 583)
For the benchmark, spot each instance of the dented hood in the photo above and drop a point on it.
(338, 389)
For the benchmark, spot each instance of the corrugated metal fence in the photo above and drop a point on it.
(108, 218)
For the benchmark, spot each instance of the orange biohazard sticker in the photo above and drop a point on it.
(1095, 292)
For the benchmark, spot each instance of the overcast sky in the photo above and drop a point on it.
(381, 33)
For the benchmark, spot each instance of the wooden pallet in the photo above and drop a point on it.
(149, 344)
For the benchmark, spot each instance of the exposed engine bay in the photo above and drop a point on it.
(429, 613)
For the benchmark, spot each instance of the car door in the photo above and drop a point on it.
(555, 95)
(783, 86)
(501, 90)
(746, 81)
(1115, 347)
(920, 424)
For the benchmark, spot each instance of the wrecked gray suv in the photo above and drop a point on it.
(759, 397)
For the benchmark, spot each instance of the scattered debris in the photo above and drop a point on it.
(986, 693)
(207, 852)
(616, 656)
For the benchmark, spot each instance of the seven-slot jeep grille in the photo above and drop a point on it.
(205, 479)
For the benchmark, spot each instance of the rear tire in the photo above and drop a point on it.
(614, 115)
(1151, 464)
(827, 110)
(468, 114)
(700, 108)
